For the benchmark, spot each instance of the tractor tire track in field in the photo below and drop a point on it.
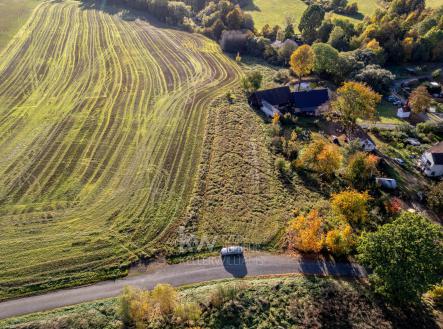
(101, 129)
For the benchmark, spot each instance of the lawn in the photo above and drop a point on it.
(274, 12)
(14, 13)
(102, 119)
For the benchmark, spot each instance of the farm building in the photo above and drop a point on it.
(310, 102)
(431, 162)
(281, 99)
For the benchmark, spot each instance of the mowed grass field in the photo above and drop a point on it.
(102, 119)
(274, 12)
(13, 14)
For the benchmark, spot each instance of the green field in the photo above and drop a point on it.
(14, 13)
(274, 12)
(101, 128)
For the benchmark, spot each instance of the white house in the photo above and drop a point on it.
(431, 162)
(403, 113)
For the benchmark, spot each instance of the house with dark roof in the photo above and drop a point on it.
(310, 102)
(278, 97)
(282, 99)
(431, 162)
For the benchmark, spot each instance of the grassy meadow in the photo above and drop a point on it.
(14, 13)
(101, 126)
(274, 12)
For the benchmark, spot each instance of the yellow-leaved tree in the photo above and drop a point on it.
(340, 241)
(302, 62)
(321, 156)
(354, 101)
(351, 206)
(305, 233)
(420, 99)
(165, 297)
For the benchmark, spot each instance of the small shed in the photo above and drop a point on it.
(403, 113)
(387, 183)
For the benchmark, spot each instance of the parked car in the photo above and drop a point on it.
(401, 162)
(231, 250)
(413, 142)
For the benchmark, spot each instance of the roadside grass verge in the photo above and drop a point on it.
(305, 302)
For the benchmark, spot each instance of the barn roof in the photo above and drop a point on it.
(275, 96)
(437, 153)
(310, 99)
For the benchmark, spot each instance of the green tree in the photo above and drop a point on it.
(234, 19)
(326, 59)
(355, 100)
(310, 21)
(406, 257)
(435, 197)
(252, 81)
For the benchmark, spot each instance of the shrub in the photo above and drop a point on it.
(340, 240)
(435, 197)
(351, 206)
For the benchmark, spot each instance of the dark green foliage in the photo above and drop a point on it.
(310, 22)
(435, 197)
(377, 78)
(406, 257)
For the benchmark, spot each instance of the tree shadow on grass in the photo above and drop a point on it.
(125, 12)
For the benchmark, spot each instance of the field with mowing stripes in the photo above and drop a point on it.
(102, 120)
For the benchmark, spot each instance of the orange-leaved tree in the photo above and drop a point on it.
(302, 62)
(420, 99)
(321, 156)
(351, 206)
(305, 233)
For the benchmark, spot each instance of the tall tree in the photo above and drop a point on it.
(419, 100)
(406, 257)
(310, 21)
(302, 62)
(355, 101)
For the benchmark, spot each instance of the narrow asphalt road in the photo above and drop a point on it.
(180, 274)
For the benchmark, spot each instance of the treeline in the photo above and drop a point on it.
(208, 17)
(336, 6)
(406, 31)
